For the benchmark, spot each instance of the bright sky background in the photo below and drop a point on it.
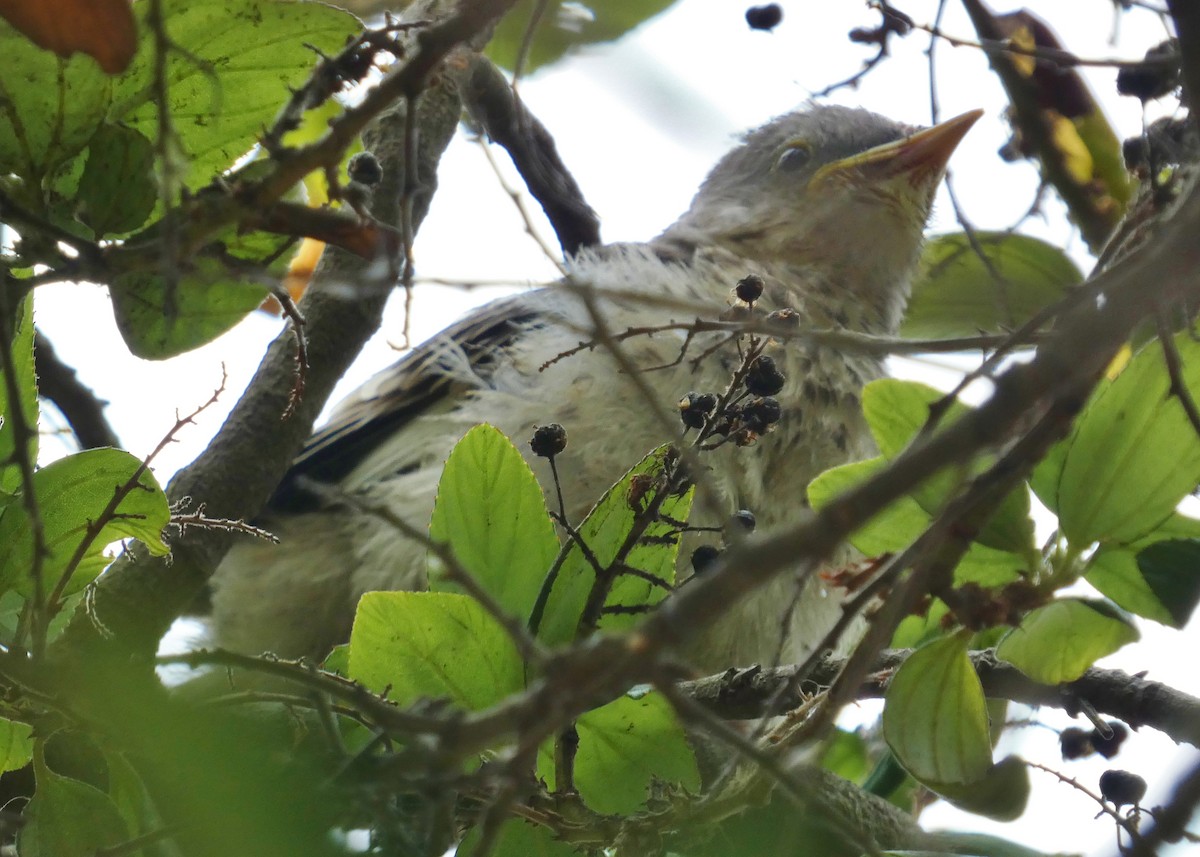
(640, 122)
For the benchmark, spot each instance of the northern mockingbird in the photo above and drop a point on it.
(827, 205)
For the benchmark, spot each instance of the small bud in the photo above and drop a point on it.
(1122, 788)
(764, 378)
(364, 168)
(745, 519)
(749, 288)
(1075, 743)
(786, 318)
(703, 558)
(696, 408)
(764, 17)
(1110, 746)
(548, 441)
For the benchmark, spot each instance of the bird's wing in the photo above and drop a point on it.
(460, 358)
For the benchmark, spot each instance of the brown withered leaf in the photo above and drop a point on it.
(102, 29)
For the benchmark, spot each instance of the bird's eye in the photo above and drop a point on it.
(795, 157)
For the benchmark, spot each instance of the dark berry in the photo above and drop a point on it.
(764, 378)
(764, 17)
(761, 413)
(548, 441)
(1156, 76)
(745, 519)
(1110, 746)
(1075, 743)
(749, 288)
(364, 168)
(1122, 788)
(696, 408)
(703, 558)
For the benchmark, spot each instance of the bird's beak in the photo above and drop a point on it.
(922, 156)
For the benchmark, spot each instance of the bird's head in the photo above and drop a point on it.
(840, 190)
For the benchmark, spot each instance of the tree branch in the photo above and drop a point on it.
(138, 598)
(496, 106)
(83, 411)
(755, 692)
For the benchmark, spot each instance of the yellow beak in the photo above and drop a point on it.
(922, 156)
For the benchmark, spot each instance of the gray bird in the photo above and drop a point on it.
(827, 205)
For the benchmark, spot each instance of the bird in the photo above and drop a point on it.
(826, 206)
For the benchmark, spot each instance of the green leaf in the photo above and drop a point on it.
(491, 512)
(889, 531)
(846, 755)
(896, 411)
(935, 716)
(22, 361)
(519, 838)
(49, 107)
(72, 493)
(1171, 569)
(158, 320)
(67, 818)
(1057, 643)
(955, 293)
(128, 793)
(433, 645)
(565, 26)
(914, 631)
(242, 55)
(1001, 794)
(605, 531)
(16, 745)
(1132, 455)
(898, 526)
(624, 746)
(117, 191)
(1114, 571)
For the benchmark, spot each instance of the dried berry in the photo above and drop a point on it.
(364, 168)
(745, 519)
(1157, 75)
(749, 288)
(703, 558)
(761, 413)
(764, 17)
(1075, 743)
(1122, 788)
(1110, 746)
(548, 441)
(764, 378)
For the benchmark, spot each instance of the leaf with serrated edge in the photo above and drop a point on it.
(897, 526)
(50, 108)
(623, 747)
(242, 55)
(491, 513)
(604, 531)
(433, 645)
(72, 493)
